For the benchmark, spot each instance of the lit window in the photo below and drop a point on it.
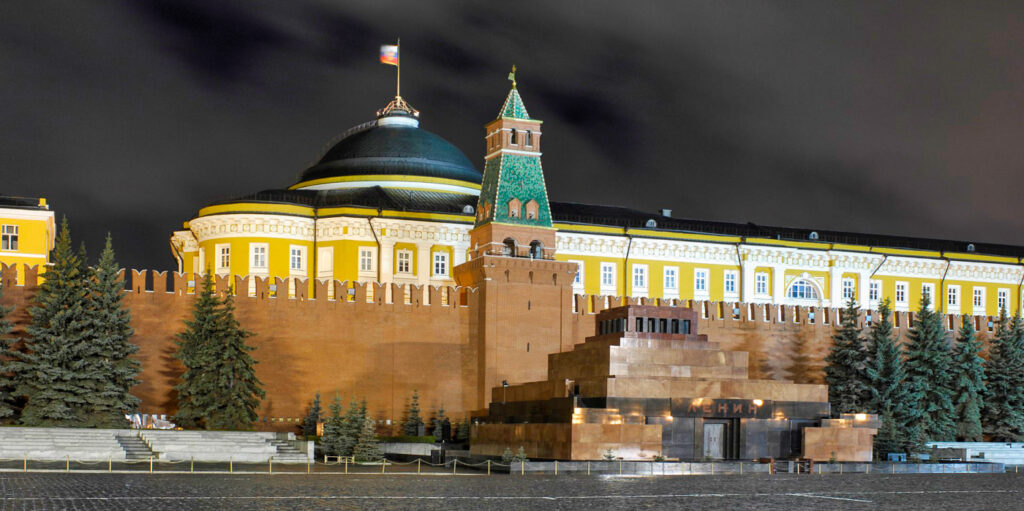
(259, 256)
(901, 293)
(529, 138)
(671, 278)
(729, 282)
(953, 296)
(9, 238)
(979, 297)
(802, 289)
(700, 282)
(929, 291)
(295, 259)
(512, 139)
(404, 264)
(761, 283)
(874, 290)
(365, 259)
(578, 280)
(640, 276)
(1003, 299)
(849, 287)
(440, 264)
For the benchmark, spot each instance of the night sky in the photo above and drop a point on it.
(880, 117)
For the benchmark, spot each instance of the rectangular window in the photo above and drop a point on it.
(761, 284)
(671, 278)
(9, 237)
(404, 262)
(223, 258)
(608, 275)
(849, 289)
(640, 276)
(729, 282)
(901, 293)
(440, 264)
(297, 259)
(259, 256)
(874, 290)
(700, 282)
(953, 296)
(577, 281)
(366, 259)
(1003, 299)
(978, 301)
(325, 263)
(929, 291)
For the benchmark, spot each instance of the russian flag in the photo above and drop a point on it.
(389, 54)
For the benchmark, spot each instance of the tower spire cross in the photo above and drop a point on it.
(512, 76)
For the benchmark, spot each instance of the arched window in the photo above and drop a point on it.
(529, 138)
(512, 140)
(514, 208)
(532, 209)
(509, 250)
(803, 289)
(536, 250)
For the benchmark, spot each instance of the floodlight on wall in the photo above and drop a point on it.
(813, 236)
(970, 247)
(651, 224)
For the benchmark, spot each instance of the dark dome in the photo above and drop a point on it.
(393, 150)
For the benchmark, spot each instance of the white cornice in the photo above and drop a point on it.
(252, 226)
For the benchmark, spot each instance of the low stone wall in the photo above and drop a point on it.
(407, 449)
(669, 468)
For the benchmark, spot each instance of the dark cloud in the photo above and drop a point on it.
(900, 118)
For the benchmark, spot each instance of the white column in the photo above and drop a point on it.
(387, 265)
(778, 284)
(747, 276)
(423, 264)
(863, 289)
(459, 254)
(836, 285)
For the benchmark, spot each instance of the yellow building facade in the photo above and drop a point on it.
(27, 232)
(393, 203)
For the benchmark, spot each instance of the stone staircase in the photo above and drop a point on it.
(134, 447)
(286, 452)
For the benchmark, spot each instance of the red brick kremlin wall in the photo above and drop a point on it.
(369, 345)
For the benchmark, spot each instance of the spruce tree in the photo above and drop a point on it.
(800, 368)
(1003, 415)
(844, 365)
(50, 371)
(313, 417)
(890, 398)
(439, 425)
(8, 364)
(331, 442)
(928, 367)
(194, 351)
(413, 421)
(237, 391)
(109, 354)
(349, 428)
(463, 433)
(367, 448)
(968, 383)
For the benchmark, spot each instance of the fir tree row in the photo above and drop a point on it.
(74, 368)
(925, 390)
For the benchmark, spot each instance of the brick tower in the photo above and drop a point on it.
(526, 295)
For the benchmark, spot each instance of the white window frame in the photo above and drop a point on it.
(953, 298)
(978, 301)
(762, 284)
(403, 256)
(929, 287)
(670, 281)
(222, 258)
(810, 284)
(9, 238)
(700, 283)
(639, 280)
(366, 262)
(580, 278)
(259, 258)
(874, 292)
(300, 252)
(734, 276)
(848, 290)
(1003, 299)
(609, 285)
(439, 264)
(325, 255)
(901, 295)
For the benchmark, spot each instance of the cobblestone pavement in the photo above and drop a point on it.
(84, 491)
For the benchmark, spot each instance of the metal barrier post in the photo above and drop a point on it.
(741, 468)
(522, 467)
(712, 468)
(231, 464)
(893, 468)
(556, 467)
(840, 469)
(588, 467)
(383, 464)
(150, 464)
(110, 463)
(418, 461)
(620, 467)
(192, 465)
(488, 467)
(868, 469)
(346, 465)
(307, 465)
(67, 463)
(26, 462)
(270, 465)
(455, 463)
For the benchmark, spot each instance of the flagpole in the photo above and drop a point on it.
(398, 70)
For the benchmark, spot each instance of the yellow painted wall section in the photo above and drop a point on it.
(35, 238)
(413, 259)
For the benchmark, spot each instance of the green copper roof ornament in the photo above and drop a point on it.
(513, 107)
